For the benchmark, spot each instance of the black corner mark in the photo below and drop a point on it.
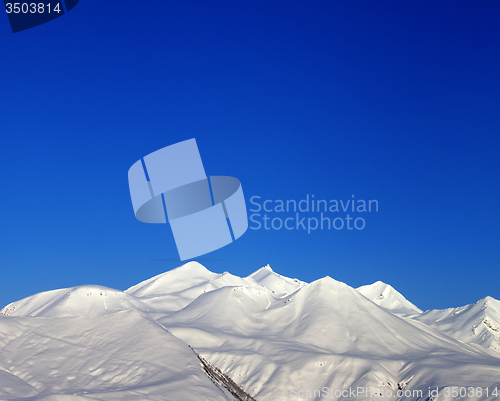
(26, 14)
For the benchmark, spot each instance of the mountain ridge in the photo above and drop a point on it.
(265, 332)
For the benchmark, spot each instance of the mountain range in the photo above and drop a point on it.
(191, 334)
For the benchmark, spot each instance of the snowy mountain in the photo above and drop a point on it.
(324, 335)
(171, 291)
(388, 298)
(477, 323)
(264, 337)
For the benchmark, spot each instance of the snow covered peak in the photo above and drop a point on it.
(477, 323)
(490, 302)
(327, 280)
(325, 285)
(280, 285)
(173, 281)
(172, 291)
(192, 268)
(388, 298)
(82, 301)
(327, 292)
(262, 273)
(193, 265)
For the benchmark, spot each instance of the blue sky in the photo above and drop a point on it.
(394, 101)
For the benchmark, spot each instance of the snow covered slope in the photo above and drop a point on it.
(123, 356)
(271, 335)
(477, 323)
(388, 298)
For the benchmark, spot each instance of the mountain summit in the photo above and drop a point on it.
(388, 298)
(280, 285)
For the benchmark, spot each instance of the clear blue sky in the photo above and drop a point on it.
(397, 101)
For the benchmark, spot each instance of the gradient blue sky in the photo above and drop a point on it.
(397, 101)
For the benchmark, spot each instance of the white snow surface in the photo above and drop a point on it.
(82, 301)
(477, 323)
(272, 335)
(122, 356)
(388, 298)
